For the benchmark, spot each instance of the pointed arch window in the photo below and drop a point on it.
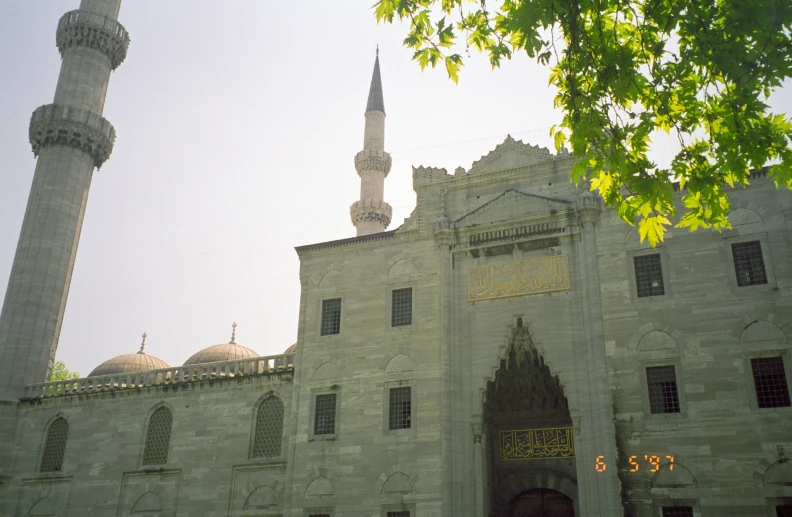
(55, 446)
(158, 435)
(268, 434)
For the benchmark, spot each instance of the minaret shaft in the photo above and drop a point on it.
(371, 214)
(70, 138)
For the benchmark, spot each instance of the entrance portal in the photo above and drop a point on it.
(541, 502)
(531, 451)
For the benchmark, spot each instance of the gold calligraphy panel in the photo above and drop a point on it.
(537, 444)
(539, 275)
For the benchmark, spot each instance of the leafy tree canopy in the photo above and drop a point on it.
(61, 373)
(700, 70)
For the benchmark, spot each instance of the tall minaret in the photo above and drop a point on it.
(371, 214)
(70, 138)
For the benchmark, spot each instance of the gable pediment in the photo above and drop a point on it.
(511, 154)
(511, 205)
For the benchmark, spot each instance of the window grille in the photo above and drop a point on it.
(398, 514)
(678, 511)
(158, 435)
(401, 307)
(400, 409)
(55, 446)
(784, 510)
(319, 515)
(331, 317)
(748, 263)
(648, 275)
(663, 395)
(325, 414)
(269, 428)
(770, 382)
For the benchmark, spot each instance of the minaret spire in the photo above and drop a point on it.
(70, 138)
(372, 214)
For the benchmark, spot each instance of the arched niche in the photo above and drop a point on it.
(326, 371)
(743, 216)
(761, 331)
(403, 267)
(148, 502)
(657, 340)
(332, 279)
(43, 508)
(400, 363)
(673, 475)
(320, 487)
(398, 482)
(262, 498)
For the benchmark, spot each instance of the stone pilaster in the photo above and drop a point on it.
(600, 492)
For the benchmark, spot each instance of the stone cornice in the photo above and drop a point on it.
(367, 161)
(86, 29)
(84, 130)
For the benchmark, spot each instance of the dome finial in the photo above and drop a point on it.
(233, 334)
(143, 344)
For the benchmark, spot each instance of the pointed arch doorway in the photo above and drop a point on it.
(530, 452)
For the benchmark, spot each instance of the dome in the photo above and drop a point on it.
(139, 362)
(221, 352)
(291, 349)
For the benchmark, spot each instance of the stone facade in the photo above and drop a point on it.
(511, 349)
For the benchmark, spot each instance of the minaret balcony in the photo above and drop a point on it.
(86, 29)
(370, 161)
(84, 130)
(371, 211)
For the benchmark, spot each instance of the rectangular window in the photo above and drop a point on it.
(784, 510)
(748, 263)
(400, 412)
(398, 514)
(331, 316)
(770, 382)
(401, 307)
(677, 511)
(663, 395)
(319, 515)
(648, 275)
(325, 414)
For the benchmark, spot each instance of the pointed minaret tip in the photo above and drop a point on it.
(375, 100)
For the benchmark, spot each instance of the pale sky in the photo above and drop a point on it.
(237, 126)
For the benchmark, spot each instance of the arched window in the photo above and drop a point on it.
(269, 428)
(155, 451)
(55, 446)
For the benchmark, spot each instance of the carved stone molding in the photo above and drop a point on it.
(588, 207)
(365, 162)
(86, 29)
(54, 124)
(371, 211)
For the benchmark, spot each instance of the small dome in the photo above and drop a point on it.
(139, 362)
(221, 352)
(291, 349)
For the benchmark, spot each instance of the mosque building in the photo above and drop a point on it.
(512, 350)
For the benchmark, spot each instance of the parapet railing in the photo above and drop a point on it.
(162, 377)
(97, 20)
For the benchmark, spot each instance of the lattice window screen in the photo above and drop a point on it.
(331, 317)
(158, 437)
(401, 307)
(55, 446)
(400, 414)
(325, 413)
(749, 263)
(648, 275)
(269, 429)
(770, 382)
(678, 511)
(663, 394)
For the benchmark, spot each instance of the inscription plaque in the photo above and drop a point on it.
(532, 276)
(537, 444)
